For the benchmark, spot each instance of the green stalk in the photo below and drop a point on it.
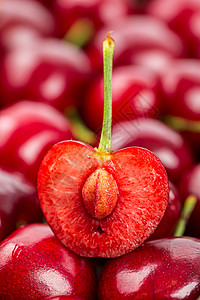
(108, 50)
(186, 212)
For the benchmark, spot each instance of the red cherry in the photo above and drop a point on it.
(170, 219)
(18, 202)
(163, 141)
(89, 15)
(149, 34)
(189, 185)
(34, 265)
(135, 94)
(138, 197)
(50, 71)
(181, 16)
(180, 84)
(28, 130)
(27, 13)
(162, 269)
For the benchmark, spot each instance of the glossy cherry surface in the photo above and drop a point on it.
(18, 202)
(161, 269)
(148, 32)
(113, 200)
(93, 14)
(179, 14)
(28, 13)
(165, 142)
(35, 262)
(170, 219)
(135, 93)
(28, 129)
(50, 70)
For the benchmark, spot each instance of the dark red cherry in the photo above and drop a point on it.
(164, 141)
(28, 129)
(35, 265)
(135, 93)
(189, 185)
(161, 269)
(18, 202)
(50, 71)
(170, 219)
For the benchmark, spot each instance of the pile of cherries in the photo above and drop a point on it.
(52, 90)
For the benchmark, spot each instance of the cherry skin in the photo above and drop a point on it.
(77, 185)
(161, 269)
(135, 93)
(50, 71)
(181, 16)
(28, 130)
(35, 262)
(18, 202)
(64, 298)
(89, 14)
(162, 140)
(180, 88)
(27, 13)
(170, 219)
(189, 185)
(149, 33)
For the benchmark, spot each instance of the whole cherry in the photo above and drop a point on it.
(161, 269)
(28, 129)
(49, 70)
(18, 202)
(180, 88)
(113, 200)
(189, 185)
(182, 16)
(149, 34)
(35, 262)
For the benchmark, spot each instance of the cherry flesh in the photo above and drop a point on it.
(35, 262)
(72, 170)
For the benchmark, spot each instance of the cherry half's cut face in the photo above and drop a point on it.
(101, 203)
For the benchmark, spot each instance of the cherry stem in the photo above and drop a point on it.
(108, 50)
(186, 212)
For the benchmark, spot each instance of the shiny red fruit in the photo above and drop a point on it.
(135, 93)
(18, 202)
(50, 71)
(28, 130)
(35, 265)
(133, 35)
(162, 269)
(170, 219)
(163, 141)
(102, 204)
(182, 16)
(189, 185)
